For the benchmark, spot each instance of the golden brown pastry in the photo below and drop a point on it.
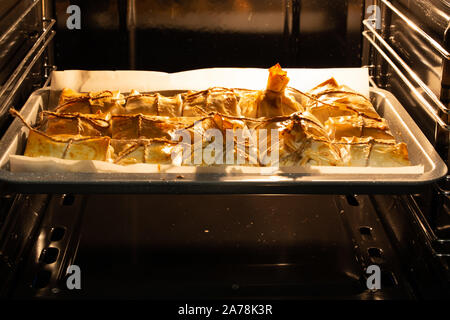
(276, 100)
(88, 125)
(90, 103)
(142, 151)
(67, 147)
(330, 125)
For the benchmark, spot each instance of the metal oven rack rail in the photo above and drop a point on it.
(42, 40)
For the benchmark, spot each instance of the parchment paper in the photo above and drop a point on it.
(144, 81)
(49, 164)
(249, 78)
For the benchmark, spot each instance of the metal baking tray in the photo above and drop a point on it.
(421, 152)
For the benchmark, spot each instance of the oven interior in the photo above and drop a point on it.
(176, 246)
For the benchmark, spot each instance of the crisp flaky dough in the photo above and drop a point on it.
(67, 147)
(329, 125)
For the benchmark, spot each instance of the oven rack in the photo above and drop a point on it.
(437, 110)
(429, 101)
(42, 40)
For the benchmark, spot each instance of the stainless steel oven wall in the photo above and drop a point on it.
(415, 49)
(176, 35)
(409, 55)
(25, 52)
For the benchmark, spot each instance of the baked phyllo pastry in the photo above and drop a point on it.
(135, 126)
(330, 125)
(154, 151)
(153, 104)
(90, 103)
(68, 147)
(76, 124)
(276, 100)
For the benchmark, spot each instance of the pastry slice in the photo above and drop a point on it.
(220, 100)
(357, 126)
(330, 93)
(76, 124)
(371, 152)
(153, 104)
(71, 101)
(153, 151)
(67, 147)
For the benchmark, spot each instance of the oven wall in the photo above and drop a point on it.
(176, 35)
(433, 69)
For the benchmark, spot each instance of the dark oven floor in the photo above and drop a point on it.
(211, 246)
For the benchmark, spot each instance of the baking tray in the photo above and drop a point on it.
(421, 152)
